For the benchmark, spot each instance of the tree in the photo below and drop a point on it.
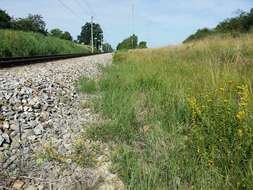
(56, 32)
(242, 23)
(60, 34)
(107, 48)
(5, 19)
(142, 45)
(129, 43)
(201, 33)
(34, 23)
(85, 35)
(66, 36)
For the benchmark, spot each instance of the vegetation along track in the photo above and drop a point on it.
(42, 119)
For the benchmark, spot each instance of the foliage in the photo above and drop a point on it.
(56, 32)
(34, 23)
(66, 36)
(5, 19)
(242, 23)
(19, 43)
(60, 34)
(87, 85)
(142, 45)
(201, 33)
(129, 43)
(181, 118)
(107, 48)
(221, 133)
(85, 36)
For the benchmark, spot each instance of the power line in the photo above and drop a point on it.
(68, 8)
(84, 8)
(133, 18)
(90, 8)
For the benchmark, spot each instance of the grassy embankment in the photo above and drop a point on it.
(18, 43)
(180, 118)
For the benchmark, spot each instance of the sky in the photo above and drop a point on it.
(159, 22)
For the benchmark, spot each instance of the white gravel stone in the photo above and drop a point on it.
(42, 101)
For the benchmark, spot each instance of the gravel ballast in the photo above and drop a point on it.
(40, 106)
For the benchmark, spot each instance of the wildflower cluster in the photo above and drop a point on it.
(243, 92)
(222, 135)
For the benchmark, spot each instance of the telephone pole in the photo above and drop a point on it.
(132, 25)
(92, 39)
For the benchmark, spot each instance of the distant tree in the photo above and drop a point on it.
(241, 23)
(129, 43)
(60, 34)
(66, 36)
(201, 33)
(85, 36)
(142, 45)
(56, 32)
(107, 48)
(34, 23)
(251, 12)
(5, 19)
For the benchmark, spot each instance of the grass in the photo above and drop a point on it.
(87, 85)
(181, 117)
(19, 43)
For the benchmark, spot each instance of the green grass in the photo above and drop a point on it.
(87, 85)
(181, 117)
(19, 43)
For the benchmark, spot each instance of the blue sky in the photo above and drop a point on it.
(159, 22)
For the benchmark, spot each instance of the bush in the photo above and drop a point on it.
(129, 43)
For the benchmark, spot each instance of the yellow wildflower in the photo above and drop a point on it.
(222, 89)
(240, 132)
(241, 115)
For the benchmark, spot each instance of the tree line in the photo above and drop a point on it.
(35, 23)
(242, 23)
(131, 43)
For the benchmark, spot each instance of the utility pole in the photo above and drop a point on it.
(92, 40)
(132, 25)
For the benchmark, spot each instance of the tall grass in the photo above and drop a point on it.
(19, 43)
(181, 118)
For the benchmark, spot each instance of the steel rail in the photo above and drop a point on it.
(21, 61)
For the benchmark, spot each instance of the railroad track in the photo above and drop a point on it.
(19, 61)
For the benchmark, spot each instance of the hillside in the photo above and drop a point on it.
(18, 43)
(180, 118)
